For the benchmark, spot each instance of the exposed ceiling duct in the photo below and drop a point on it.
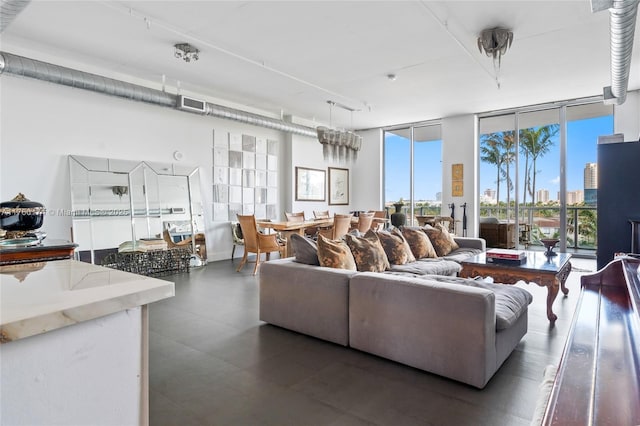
(9, 9)
(622, 23)
(26, 67)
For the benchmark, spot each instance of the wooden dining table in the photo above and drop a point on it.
(286, 228)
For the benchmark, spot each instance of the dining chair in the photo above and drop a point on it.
(341, 225)
(257, 242)
(294, 217)
(236, 234)
(365, 222)
(378, 214)
(321, 214)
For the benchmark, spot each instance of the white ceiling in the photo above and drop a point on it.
(291, 57)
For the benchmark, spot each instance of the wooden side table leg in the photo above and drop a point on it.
(562, 277)
(552, 293)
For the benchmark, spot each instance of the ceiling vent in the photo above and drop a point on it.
(192, 105)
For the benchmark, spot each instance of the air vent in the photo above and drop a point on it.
(190, 104)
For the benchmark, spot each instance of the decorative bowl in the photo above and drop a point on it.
(549, 244)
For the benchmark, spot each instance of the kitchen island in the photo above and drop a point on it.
(74, 343)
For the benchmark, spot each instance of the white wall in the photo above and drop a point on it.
(367, 173)
(460, 146)
(43, 123)
(627, 117)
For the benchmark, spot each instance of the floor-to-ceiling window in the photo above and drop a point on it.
(538, 170)
(413, 169)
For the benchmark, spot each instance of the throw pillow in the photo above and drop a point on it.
(305, 250)
(368, 252)
(420, 244)
(335, 254)
(449, 235)
(440, 240)
(396, 247)
(410, 256)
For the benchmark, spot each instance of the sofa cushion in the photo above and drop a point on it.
(427, 267)
(396, 247)
(442, 241)
(511, 301)
(367, 252)
(462, 253)
(305, 249)
(420, 244)
(335, 254)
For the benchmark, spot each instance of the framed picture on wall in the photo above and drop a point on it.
(310, 184)
(338, 186)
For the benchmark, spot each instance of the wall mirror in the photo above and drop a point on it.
(119, 201)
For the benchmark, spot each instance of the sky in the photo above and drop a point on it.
(582, 137)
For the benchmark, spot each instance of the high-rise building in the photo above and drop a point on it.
(591, 176)
(591, 183)
(574, 197)
(542, 195)
(488, 196)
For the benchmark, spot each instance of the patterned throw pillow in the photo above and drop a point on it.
(420, 244)
(441, 240)
(407, 247)
(396, 247)
(368, 252)
(335, 254)
(445, 230)
(305, 250)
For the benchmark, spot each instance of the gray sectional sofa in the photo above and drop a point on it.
(458, 328)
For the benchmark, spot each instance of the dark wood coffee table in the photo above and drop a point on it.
(550, 272)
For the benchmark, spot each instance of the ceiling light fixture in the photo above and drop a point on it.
(187, 52)
(495, 42)
(341, 145)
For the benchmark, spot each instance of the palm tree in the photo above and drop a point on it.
(535, 143)
(490, 153)
(497, 149)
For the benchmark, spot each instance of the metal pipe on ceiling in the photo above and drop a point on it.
(26, 67)
(9, 9)
(622, 23)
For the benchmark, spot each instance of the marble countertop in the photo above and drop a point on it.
(42, 296)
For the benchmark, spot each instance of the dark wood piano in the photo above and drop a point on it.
(598, 379)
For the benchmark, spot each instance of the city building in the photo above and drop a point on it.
(542, 196)
(591, 183)
(574, 197)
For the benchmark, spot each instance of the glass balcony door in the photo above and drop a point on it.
(413, 170)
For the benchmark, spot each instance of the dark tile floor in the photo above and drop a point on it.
(212, 362)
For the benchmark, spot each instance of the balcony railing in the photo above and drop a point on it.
(544, 222)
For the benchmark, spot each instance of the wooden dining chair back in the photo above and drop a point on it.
(378, 214)
(365, 222)
(236, 235)
(257, 242)
(324, 214)
(341, 225)
(294, 217)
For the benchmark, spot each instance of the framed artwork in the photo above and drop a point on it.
(457, 180)
(310, 184)
(338, 186)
